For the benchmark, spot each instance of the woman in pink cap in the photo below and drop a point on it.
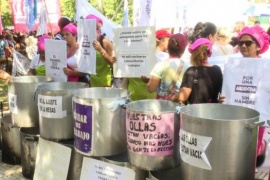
(37, 66)
(202, 82)
(70, 35)
(254, 41)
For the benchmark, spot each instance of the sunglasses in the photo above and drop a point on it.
(247, 43)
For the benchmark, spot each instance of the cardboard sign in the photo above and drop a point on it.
(135, 51)
(52, 161)
(94, 169)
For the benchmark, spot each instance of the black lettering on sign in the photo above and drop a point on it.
(195, 153)
(141, 127)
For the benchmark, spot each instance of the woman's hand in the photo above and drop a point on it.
(145, 79)
(221, 98)
(68, 71)
(97, 46)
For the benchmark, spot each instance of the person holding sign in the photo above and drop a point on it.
(104, 57)
(202, 82)
(37, 66)
(167, 75)
(70, 35)
(162, 40)
(252, 42)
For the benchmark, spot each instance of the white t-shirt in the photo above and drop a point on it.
(162, 56)
(36, 62)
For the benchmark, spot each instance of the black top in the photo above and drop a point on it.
(205, 82)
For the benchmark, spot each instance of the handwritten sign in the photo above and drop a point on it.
(150, 134)
(12, 100)
(51, 106)
(86, 52)
(56, 59)
(83, 118)
(135, 51)
(52, 161)
(192, 149)
(95, 169)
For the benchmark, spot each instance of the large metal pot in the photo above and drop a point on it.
(99, 121)
(152, 134)
(23, 108)
(218, 140)
(55, 109)
(29, 144)
(173, 174)
(11, 149)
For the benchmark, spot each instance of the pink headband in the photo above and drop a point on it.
(71, 28)
(91, 16)
(200, 42)
(259, 34)
(41, 42)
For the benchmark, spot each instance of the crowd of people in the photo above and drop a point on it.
(182, 72)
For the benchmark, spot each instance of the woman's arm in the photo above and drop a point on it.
(106, 51)
(70, 72)
(153, 83)
(182, 95)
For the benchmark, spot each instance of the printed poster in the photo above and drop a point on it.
(86, 52)
(56, 59)
(246, 84)
(135, 51)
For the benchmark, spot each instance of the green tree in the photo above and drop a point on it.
(5, 13)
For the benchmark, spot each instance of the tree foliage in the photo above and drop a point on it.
(68, 9)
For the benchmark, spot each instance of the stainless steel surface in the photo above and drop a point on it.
(24, 87)
(58, 128)
(232, 150)
(173, 174)
(11, 149)
(155, 163)
(29, 143)
(108, 127)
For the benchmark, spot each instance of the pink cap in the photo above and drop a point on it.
(92, 16)
(200, 42)
(41, 42)
(71, 28)
(162, 33)
(259, 34)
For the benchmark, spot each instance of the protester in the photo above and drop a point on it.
(254, 41)
(202, 82)
(222, 44)
(37, 65)
(20, 45)
(2, 46)
(62, 22)
(206, 30)
(10, 43)
(166, 74)
(162, 39)
(70, 35)
(104, 57)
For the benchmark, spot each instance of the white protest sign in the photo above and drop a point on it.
(12, 101)
(56, 59)
(51, 106)
(135, 50)
(52, 161)
(246, 83)
(192, 149)
(86, 53)
(95, 169)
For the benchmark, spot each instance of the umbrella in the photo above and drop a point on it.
(258, 10)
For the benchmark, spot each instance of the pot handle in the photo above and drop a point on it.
(32, 138)
(254, 125)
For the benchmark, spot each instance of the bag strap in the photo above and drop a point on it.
(176, 76)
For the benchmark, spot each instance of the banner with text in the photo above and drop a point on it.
(246, 83)
(135, 50)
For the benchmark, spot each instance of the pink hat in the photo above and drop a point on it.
(200, 42)
(162, 33)
(92, 16)
(71, 28)
(259, 34)
(41, 42)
